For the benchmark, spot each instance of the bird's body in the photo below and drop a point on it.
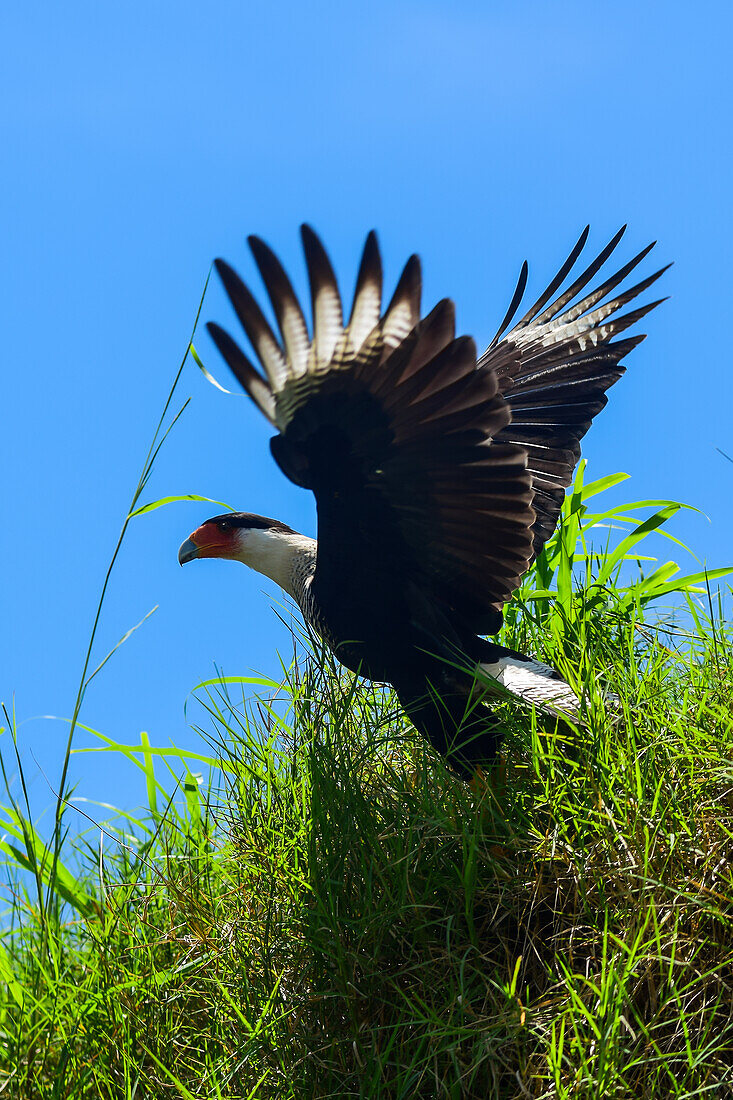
(437, 477)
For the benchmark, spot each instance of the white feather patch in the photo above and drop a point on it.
(534, 682)
(327, 323)
(398, 323)
(296, 338)
(365, 314)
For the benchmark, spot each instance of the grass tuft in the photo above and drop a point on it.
(328, 912)
(335, 915)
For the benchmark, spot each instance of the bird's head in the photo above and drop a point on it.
(240, 536)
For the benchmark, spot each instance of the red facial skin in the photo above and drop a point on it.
(215, 543)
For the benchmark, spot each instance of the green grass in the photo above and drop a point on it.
(328, 912)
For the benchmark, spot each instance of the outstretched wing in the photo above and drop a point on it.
(554, 367)
(391, 423)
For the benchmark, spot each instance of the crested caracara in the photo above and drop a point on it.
(438, 476)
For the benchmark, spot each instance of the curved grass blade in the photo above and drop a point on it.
(185, 497)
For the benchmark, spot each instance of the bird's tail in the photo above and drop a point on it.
(529, 680)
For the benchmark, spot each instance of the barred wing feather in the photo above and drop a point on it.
(395, 428)
(555, 366)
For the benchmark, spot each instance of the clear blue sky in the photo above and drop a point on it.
(141, 140)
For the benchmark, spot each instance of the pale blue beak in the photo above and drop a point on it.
(187, 551)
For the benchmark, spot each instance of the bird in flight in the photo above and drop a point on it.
(438, 475)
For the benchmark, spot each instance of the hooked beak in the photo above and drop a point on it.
(187, 551)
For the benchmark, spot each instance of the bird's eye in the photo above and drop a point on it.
(224, 526)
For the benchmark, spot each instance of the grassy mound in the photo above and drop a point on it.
(336, 915)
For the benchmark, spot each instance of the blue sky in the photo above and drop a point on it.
(141, 140)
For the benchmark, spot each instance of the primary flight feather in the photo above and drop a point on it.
(438, 476)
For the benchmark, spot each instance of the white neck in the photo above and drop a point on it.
(286, 557)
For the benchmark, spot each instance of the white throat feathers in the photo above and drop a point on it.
(286, 557)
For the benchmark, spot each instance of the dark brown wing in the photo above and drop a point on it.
(554, 367)
(392, 425)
